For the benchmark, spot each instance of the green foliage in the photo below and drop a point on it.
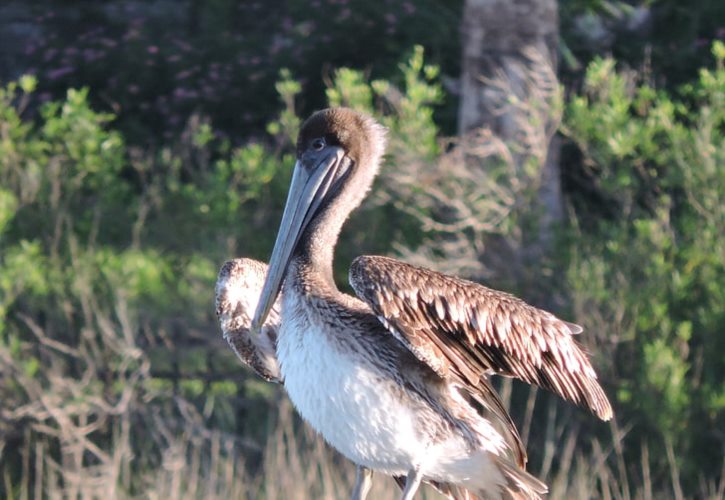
(668, 39)
(414, 123)
(288, 123)
(411, 123)
(8, 207)
(88, 284)
(350, 88)
(23, 269)
(109, 255)
(655, 268)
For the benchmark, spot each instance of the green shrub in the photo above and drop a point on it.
(650, 277)
(108, 258)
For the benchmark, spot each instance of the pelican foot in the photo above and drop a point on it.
(363, 482)
(411, 484)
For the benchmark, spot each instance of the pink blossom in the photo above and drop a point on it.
(91, 55)
(108, 42)
(182, 44)
(49, 54)
(182, 93)
(54, 74)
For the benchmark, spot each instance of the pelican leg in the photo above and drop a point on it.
(363, 482)
(411, 484)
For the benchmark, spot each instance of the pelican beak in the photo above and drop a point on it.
(312, 178)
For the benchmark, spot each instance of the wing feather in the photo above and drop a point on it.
(462, 328)
(237, 291)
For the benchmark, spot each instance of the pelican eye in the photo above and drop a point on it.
(318, 144)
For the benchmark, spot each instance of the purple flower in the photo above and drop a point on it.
(54, 74)
(152, 49)
(49, 54)
(91, 55)
(182, 93)
(108, 42)
(182, 44)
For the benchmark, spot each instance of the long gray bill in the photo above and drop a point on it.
(307, 190)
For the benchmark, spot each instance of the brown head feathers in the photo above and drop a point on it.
(358, 134)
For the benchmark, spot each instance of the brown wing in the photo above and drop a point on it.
(463, 328)
(237, 291)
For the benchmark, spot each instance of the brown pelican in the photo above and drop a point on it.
(237, 290)
(397, 378)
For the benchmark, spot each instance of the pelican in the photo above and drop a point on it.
(238, 286)
(397, 378)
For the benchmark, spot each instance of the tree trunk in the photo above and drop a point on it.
(509, 86)
(510, 42)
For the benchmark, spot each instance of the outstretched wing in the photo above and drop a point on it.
(462, 328)
(237, 292)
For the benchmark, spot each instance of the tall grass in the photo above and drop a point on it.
(296, 464)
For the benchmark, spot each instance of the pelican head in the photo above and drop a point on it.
(338, 155)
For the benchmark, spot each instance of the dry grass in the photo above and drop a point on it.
(205, 463)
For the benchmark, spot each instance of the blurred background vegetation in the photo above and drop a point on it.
(143, 144)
